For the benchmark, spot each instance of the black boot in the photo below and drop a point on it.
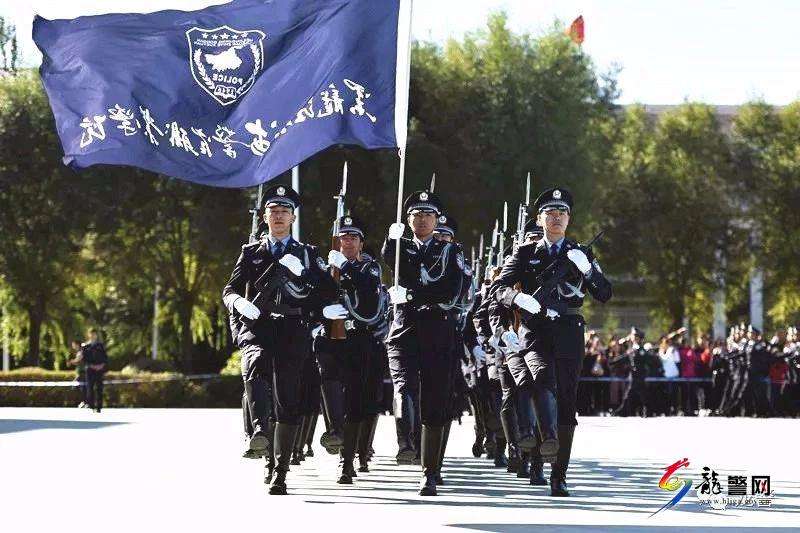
(333, 400)
(431, 444)
(259, 404)
(544, 403)
(269, 467)
(404, 421)
(284, 440)
(514, 459)
(312, 427)
(480, 428)
(489, 445)
(297, 446)
(347, 472)
(527, 422)
(363, 444)
(558, 476)
(445, 437)
(500, 459)
(537, 471)
(524, 468)
(372, 429)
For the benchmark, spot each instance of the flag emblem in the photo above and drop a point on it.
(225, 62)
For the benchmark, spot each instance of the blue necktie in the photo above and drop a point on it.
(553, 249)
(278, 251)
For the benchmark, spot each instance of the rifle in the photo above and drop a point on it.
(255, 212)
(522, 218)
(502, 249)
(522, 215)
(266, 286)
(337, 329)
(552, 276)
(490, 257)
(477, 278)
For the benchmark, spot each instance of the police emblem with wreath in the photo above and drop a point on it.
(224, 61)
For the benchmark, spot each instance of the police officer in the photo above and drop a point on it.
(490, 393)
(516, 413)
(345, 364)
(475, 371)
(277, 287)
(446, 228)
(96, 360)
(420, 342)
(634, 401)
(553, 343)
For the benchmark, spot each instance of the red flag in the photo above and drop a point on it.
(575, 30)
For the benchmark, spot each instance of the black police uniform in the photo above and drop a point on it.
(94, 353)
(346, 364)
(374, 395)
(487, 393)
(275, 346)
(447, 225)
(421, 338)
(554, 348)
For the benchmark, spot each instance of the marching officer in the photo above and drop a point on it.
(346, 364)
(446, 229)
(553, 343)
(277, 287)
(421, 338)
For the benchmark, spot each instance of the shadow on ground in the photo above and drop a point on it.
(560, 528)
(15, 426)
(595, 485)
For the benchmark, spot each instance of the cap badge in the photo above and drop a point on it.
(423, 196)
(281, 191)
(442, 219)
(348, 220)
(557, 194)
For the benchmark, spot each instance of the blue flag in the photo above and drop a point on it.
(231, 95)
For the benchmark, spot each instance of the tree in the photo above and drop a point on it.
(767, 157)
(667, 202)
(40, 216)
(8, 46)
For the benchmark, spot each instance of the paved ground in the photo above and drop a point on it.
(180, 471)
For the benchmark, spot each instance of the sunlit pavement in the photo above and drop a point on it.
(181, 470)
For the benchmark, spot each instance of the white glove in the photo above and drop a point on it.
(334, 312)
(580, 260)
(481, 340)
(336, 259)
(494, 340)
(294, 265)
(511, 340)
(396, 230)
(246, 308)
(317, 331)
(479, 355)
(552, 315)
(398, 294)
(527, 302)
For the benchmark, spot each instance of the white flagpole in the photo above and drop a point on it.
(401, 110)
(296, 187)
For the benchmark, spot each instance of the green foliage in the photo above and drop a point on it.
(233, 367)
(157, 390)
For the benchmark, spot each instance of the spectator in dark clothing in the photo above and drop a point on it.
(80, 371)
(688, 370)
(96, 360)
